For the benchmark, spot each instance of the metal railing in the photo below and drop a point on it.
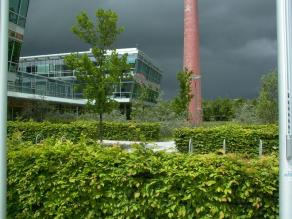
(40, 85)
(17, 18)
(46, 86)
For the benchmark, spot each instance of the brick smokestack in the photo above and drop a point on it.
(192, 58)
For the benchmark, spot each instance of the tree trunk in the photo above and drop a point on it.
(100, 128)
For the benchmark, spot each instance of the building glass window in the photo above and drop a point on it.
(13, 17)
(131, 59)
(14, 5)
(21, 21)
(24, 8)
(14, 48)
(18, 11)
(129, 86)
(16, 52)
(10, 48)
(41, 69)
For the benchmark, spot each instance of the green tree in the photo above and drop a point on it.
(220, 109)
(181, 102)
(267, 106)
(161, 112)
(223, 109)
(208, 110)
(140, 103)
(98, 75)
(246, 113)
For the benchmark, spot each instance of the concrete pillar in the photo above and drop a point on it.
(4, 15)
(192, 58)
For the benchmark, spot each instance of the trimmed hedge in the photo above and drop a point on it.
(74, 130)
(242, 139)
(78, 181)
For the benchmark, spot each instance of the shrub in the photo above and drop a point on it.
(74, 130)
(242, 139)
(163, 113)
(247, 114)
(267, 106)
(67, 117)
(78, 181)
(60, 117)
(220, 109)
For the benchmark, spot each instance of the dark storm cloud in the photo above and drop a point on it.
(238, 45)
(238, 38)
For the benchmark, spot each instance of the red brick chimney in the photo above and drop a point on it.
(192, 58)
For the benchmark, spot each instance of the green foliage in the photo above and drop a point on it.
(114, 116)
(102, 34)
(181, 102)
(63, 180)
(246, 113)
(67, 117)
(267, 107)
(239, 139)
(36, 110)
(74, 130)
(220, 109)
(226, 109)
(60, 117)
(98, 76)
(162, 112)
(140, 103)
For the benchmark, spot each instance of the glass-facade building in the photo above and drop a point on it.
(45, 77)
(25, 82)
(17, 19)
(143, 71)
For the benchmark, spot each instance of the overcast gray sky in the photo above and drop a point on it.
(238, 38)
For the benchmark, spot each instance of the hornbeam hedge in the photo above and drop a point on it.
(66, 180)
(32, 131)
(241, 139)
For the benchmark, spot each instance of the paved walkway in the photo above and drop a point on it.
(168, 146)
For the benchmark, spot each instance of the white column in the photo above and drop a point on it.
(285, 93)
(4, 11)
